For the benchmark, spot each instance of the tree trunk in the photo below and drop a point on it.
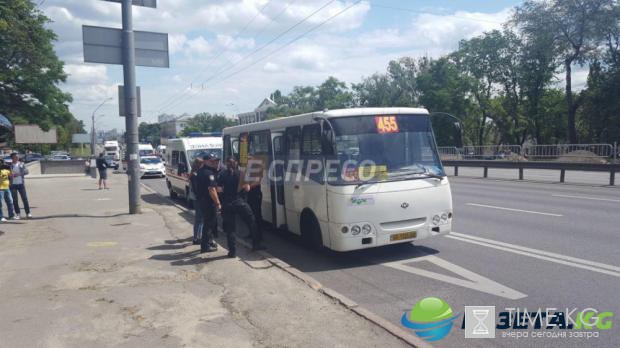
(572, 130)
(481, 129)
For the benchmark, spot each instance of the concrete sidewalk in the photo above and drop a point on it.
(83, 273)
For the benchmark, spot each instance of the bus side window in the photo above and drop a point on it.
(227, 147)
(292, 146)
(311, 149)
(234, 145)
(259, 143)
(175, 159)
(183, 168)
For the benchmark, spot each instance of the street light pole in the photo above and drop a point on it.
(458, 123)
(131, 114)
(93, 137)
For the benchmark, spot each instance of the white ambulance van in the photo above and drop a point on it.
(180, 153)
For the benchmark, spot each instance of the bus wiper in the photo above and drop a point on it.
(425, 171)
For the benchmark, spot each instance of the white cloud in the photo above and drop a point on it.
(271, 67)
(198, 46)
(86, 74)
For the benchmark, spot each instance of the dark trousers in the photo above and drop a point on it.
(239, 208)
(255, 200)
(210, 221)
(22, 192)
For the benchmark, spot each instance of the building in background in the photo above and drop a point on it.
(259, 114)
(171, 125)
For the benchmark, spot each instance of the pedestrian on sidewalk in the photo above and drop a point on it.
(206, 193)
(255, 195)
(199, 218)
(235, 204)
(18, 185)
(5, 189)
(102, 168)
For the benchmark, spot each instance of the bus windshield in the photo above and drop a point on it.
(385, 148)
(202, 152)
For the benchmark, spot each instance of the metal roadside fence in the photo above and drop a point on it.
(576, 153)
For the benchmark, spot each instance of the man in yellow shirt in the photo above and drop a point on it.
(5, 192)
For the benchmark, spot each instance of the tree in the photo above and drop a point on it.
(150, 133)
(205, 122)
(333, 94)
(576, 29)
(29, 68)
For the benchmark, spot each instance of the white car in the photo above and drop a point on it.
(152, 166)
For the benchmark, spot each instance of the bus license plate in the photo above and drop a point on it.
(403, 236)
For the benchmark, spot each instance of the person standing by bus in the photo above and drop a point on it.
(198, 209)
(255, 195)
(235, 204)
(206, 193)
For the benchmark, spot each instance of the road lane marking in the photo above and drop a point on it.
(591, 198)
(472, 280)
(512, 209)
(540, 254)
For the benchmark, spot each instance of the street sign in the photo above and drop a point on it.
(121, 101)
(33, 134)
(145, 3)
(105, 45)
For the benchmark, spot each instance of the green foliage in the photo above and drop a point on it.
(30, 72)
(205, 122)
(150, 133)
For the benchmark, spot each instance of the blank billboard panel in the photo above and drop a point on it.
(31, 134)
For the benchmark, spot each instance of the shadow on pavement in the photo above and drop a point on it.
(290, 248)
(169, 246)
(64, 216)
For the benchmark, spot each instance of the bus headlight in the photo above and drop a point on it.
(366, 229)
(444, 218)
(355, 230)
(436, 220)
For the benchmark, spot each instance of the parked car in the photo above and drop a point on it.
(7, 159)
(60, 158)
(32, 157)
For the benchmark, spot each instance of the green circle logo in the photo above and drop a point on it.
(431, 318)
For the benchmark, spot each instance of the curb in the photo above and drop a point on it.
(330, 293)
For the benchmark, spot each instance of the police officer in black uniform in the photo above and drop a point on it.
(206, 185)
(235, 204)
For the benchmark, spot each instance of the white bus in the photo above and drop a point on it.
(381, 181)
(180, 153)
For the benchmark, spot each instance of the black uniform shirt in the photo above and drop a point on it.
(205, 178)
(229, 181)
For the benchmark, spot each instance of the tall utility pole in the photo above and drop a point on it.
(131, 110)
(128, 48)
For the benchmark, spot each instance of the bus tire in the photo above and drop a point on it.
(311, 230)
(172, 192)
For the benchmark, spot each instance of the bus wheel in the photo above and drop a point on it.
(311, 231)
(173, 193)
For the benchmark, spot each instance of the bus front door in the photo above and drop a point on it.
(276, 179)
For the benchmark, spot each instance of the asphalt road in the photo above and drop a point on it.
(515, 245)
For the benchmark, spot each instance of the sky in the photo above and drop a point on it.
(226, 56)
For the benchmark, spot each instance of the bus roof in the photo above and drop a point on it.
(196, 143)
(280, 123)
